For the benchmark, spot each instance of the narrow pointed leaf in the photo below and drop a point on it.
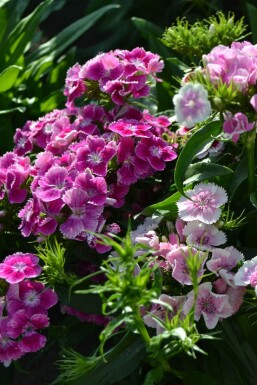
(8, 77)
(61, 41)
(194, 145)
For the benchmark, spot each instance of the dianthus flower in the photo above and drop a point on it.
(203, 236)
(16, 267)
(203, 203)
(246, 274)
(191, 105)
(211, 306)
(236, 125)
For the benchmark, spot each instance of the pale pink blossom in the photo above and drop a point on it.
(203, 236)
(211, 306)
(191, 104)
(203, 203)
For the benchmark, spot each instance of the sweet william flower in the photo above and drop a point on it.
(211, 306)
(203, 204)
(15, 268)
(236, 125)
(203, 236)
(191, 105)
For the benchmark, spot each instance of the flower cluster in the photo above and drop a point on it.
(24, 308)
(88, 157)
(195, 237)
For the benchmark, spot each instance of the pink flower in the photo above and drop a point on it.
(53, 184)
(235, 125)
(9, 348)
(95, 187)
(224, 259)
(95, 155)
(156, 151)
(246, 274)
(161, 312)
(191, 105)
(177, 259)
(211, 306)
(203, 203)
(203, 236)
(84, 216)
(131, 127)
(16, 267)
(32, 296)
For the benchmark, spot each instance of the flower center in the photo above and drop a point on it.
(95, 158)
(31, 298)
(207, 305)
(190, 104)
(19, 266)
(155, 151)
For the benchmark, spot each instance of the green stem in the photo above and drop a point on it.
(250, 144)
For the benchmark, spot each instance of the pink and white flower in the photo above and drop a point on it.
(191, 105)
(211, 306)
(203, 203)
(16, 267)
(203, 236)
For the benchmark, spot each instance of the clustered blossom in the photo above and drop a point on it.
(24, 308)
(189, 239)
(87, 157)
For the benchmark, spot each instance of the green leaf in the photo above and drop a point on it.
(240, 174)
(61, 41)
(121, 361)
(14, 46)
(252, 14)
(8, 77)
(194, 145)
(168, 204)
(202, 170)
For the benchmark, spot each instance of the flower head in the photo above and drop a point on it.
(203, 236)
(191, 104)
(15, 268)
(204, 203)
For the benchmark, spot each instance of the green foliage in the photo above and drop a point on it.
(194, 40)
(193, 146)
(25, 62)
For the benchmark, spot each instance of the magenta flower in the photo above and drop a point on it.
(95, 187)
(26, 326)
(84, 216)
(156, 151)
(177, 259)
(16, 267)
(53, 184)
(32, 296)
(74, 85)
(203, 236)
(131, 127)
(211, 306)
(95, 155)
(191, 105)
(132, 167)
(236, 125)
(9, 348)
(203, 203)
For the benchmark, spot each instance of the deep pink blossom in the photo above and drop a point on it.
(156, 151)
(236, 125)
(131, 127)
(18, 266)
(53, 184)
(95, 155)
